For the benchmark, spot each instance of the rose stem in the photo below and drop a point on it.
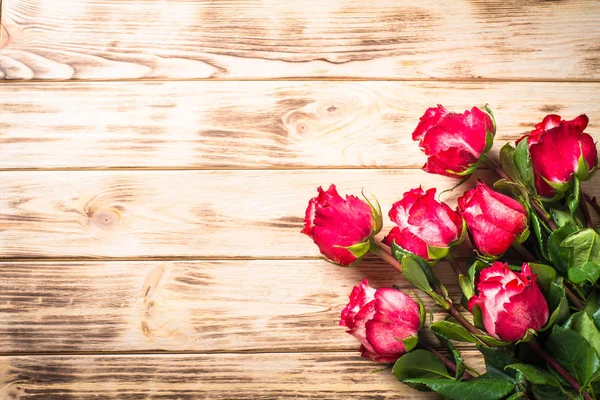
(585, 211)
(383, 252)
(455, 266)
(557, 367)
(593, 202)
(543, 214)
(449, 364)
(577, 302)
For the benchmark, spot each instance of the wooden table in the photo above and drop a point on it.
(157, 157)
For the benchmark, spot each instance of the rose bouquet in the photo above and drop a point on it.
(530, 296)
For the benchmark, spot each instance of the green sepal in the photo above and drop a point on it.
(437, 253)
(358, 250)
(463, 235)
(422, 310)
(523, 166)
(410, 343)
(377, 215)
(477, 317)
(489, 135)
(530, 334)
(524, 235)
(558, 186)
(468, 171)
(584, 172)
(510, 187)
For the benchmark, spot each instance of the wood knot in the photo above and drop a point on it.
(301, 127)
(4, 37)
(106, 218)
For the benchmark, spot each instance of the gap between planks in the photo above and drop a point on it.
(302, 79)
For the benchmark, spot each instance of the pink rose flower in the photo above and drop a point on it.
(494, 220)
(556, 147)
(381, 319)
(454, 142)
(511, 302)
(424, 224)
(341, 228)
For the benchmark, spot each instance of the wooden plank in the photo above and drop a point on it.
(328, 376)
(201, 306)
(255, 124)
(117, 39)
(200, 214)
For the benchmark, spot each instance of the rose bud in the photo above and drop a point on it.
(426, 227)
(494, 220)
(381, 319)
(511, 302)
(454, 142)
(341, 228)
(559, 150)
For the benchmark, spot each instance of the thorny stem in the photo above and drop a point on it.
(449, 364)
(527, 255)
(383, 252)
(455, 266)
(586, 212)
(593, 202)
(535, 346)
(543, 214)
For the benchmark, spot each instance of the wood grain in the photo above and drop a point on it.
(199, 214)
(200, 306)
(255, 124)
(320, 376)
(118, 39)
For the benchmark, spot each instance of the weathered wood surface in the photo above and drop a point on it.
(255, 124)
(330, 376)
(198, 214)
(117, 39)
(203, 306)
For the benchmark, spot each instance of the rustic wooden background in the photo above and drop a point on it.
(157, 157)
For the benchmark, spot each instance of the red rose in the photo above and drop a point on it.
(560, 149)
(381, 319)
(425, 226)
(454, 142)
(342, 228)
(511, 302)
(494, 220)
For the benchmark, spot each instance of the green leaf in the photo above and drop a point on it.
(546, 275)
(474, 389)
(477, 266)
(573, 198)
(537, 225)
(466, 286)
(552, 393)
(508, 164)
(410, 343)
(517, 396)
(493, 341)
(592, 307)
(510, 187)
(454, 355)
(535, 375)
(584, 255)
(562, 218)
(413, 272)
(557, 254)
(523, 165)
(573, 352)
(557, 303)
(589, 271)
(496, 361)
(585, 326)
(419, 364)
(453, 331)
